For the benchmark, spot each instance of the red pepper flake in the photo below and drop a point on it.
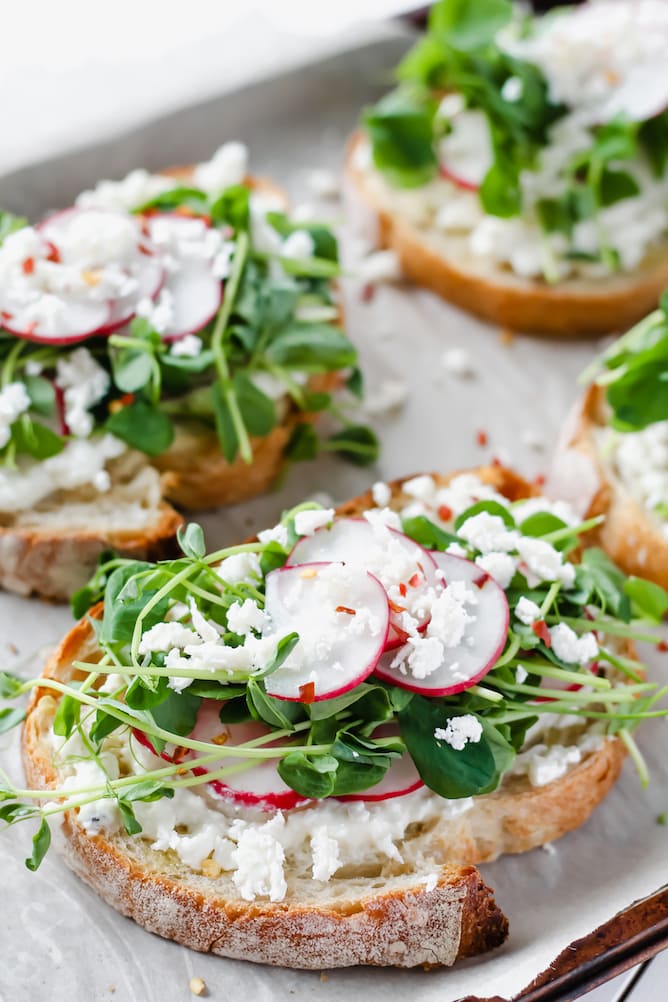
(481, 579)
(179, 755)
(368, 291)
(415, 580)
(6, 315)
(402, 590)
(401, 635)
(481, 438)
(28, 266)
(307, 692)
(396, 608)
(346, 609)
(542, 632)
(496, 462)
(54, 253)
(539, 480)
(444, 513)
(662, 646)
(143, 249)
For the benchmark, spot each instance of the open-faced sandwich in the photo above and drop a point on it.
(519, 169)
(295, 750)
(613, 457)
(163, 340)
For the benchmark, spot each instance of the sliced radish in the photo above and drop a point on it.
(401, 778)
(481, 646)
(466, 153)
(257, 784)
(150, 277)
(69, 320)
(341, 615)
(404, 568)
(196, 297)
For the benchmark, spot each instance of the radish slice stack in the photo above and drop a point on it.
(404, 568)
(86, 272)
(341, 615)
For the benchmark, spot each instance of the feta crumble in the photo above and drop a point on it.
(309, 521)
(14, 401)
(570, 647)
(189, 346)
(84, 383)
(527, 611)
(458, 362)
(459, 731)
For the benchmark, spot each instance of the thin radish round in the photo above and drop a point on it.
(401, 778)
(403, 567)
(49, 319)
(256, 781)
(150, 278)
(189, 245)
(466, 153)
(474, 601)
(196, 296)
(341, 615)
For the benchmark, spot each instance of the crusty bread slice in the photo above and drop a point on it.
(631, 534)
(52, 549)
(430, 909)
(444, 263)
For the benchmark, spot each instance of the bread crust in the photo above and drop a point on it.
(406, 924)
(631, 535)
(570, 308)
(53, 563)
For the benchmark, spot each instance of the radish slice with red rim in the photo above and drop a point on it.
(466, 153)
(196, 295)
(52, 320)
(341, 615)
(403, 567)
(257, 783)
(483, 636)
(401, 778)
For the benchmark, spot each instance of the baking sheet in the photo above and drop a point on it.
(55, 933)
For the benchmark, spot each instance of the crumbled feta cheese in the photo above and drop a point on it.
(512, 89)
(501, 566)
(33, 368)
(544, 764)
(227, 167)
(165, 637)
(259, 861)
(543, 562)
(246, 616)
(423, 488)
(84, 384)
(458, 362)
(387, 396)
(326, 857)
(527, 611)
(309, 521)
(102, 481)
(279, 534)
(240, 568)
(488, 533)
(298, 246)
(521, 675)
(456, 550)
(381, 266)
(570, 647)
(641, 459)
(451, 105)
(133, 191)
(381, 494)
(14, 401)
(382, 518)
(158, 312)
(189, 346)
(459, 731)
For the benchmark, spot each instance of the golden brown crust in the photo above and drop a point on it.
(407, 924)
(53, 562)
(630, 534)
(569, 308)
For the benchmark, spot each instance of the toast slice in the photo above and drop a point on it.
(425, 906)
(444, 263)
(52, 549)
(584, 472)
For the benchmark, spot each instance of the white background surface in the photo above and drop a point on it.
(87, 74)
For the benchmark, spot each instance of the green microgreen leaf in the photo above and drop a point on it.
(40, 846)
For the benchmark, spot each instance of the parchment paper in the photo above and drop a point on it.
(57, 937)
